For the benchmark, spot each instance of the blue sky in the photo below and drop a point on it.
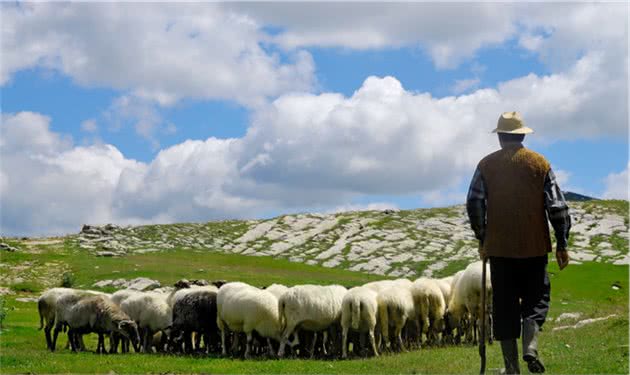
(279, 114)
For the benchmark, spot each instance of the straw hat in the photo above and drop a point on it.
(512, 123)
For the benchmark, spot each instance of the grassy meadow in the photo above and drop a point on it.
(601, 347)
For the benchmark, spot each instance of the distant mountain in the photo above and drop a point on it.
(575, 197)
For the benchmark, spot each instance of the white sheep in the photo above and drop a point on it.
(395, 308)
(61, 301)
(445, 287)
(466, 299)
(243, 308)
(359, 310)
(277, 289)
(312, 308)
(430, 307)
(380, 285)
(46, 305)
(151, 312)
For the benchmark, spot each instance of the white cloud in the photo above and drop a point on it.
(89, 126)
(451, 32)
(562, 177)
(463, 85)
(617, 185)
(160, 52)
(49, 186)
(375, 206)
(448, 32)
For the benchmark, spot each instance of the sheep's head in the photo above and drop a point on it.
(182, 284)
(129, 329)
(218, 283)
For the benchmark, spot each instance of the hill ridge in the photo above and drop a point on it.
(398, 243)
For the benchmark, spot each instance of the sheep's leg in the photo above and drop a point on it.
(285, 338)
(197, 341)
(71, 339)
(373, 342)
(344, 343)
(47, 329)
(270, 351)
(248, 345)
(398, 331)
(235, 339)
(55, 335)
(223, 347)
(188, 343)
(146, 344)
(312, 350)
(324, 339)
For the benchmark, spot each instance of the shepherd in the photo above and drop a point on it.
(512, 194)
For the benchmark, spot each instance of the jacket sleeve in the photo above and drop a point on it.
(476, 205)
(557, 210)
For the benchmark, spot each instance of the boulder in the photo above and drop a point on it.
(143, 283)
(7, 247)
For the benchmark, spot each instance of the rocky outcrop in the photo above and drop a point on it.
(391, 242)
(139, 283)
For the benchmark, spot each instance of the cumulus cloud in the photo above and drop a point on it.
(450, 32)
(389, 25)
(51, 186)
(48, 184)
(300, 151)
(617, 185)
(161, 52)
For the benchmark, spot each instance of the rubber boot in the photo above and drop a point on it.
(530, 347)
(510, 356)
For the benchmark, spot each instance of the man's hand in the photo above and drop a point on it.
(562, 256)
(482, 252)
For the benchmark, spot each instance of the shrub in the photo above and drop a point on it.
(3, 310)
(67, 280)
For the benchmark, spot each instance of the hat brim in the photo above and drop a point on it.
(523, 130)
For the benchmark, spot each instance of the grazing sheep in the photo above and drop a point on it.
(119, 296)
(466, 300)
(244, 308)
(99, 314)
(310, 307)
(380, 285)
(395, 307)
(195, 312)
(277, 289)
(65, 299)
(46, 305)
(177, 294)
(430, 307)
(445, 287)
(359, 310)
(151, 312)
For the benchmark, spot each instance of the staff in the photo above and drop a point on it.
(482, 335)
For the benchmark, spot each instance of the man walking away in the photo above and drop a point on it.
(512, 194)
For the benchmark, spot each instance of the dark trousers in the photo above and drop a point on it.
(520, 290)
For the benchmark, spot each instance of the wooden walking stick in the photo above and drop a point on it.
(482, 335)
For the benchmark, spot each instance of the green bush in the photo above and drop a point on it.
(67, 280)
(3, 310)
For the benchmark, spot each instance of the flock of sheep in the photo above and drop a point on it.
(303, 320)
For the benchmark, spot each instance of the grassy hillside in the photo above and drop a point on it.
(588, 289)
(349, 249)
